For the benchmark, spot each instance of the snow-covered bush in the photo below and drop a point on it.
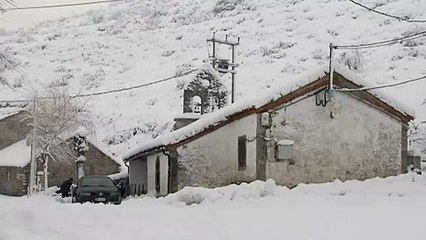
(58, 83)
(4, 82)
(97, 17)
(183, 68)
(319, 54)
(93, 80)
(225, 5)
(152, 101)
(185, 14)
(153, 129)
(153, 20)
(352, 59)
(17, 83)
(277, 50)
(168, 53)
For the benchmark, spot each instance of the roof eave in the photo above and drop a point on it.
(341, 82)
(153, 150)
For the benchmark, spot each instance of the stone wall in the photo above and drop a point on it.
(12, 181)
(12, 130)
(97, 163)
(347, 139)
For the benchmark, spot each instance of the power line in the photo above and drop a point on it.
(58, 5)
(382, 43)
(406, 19)
(133, 87)
(382, 86)
(114, 90)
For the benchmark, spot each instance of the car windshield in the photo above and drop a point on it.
(96, 182)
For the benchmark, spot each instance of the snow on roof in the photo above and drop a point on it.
(8, 111)
(286, 142)
(16, 155)
(188, 116)
(217, 117)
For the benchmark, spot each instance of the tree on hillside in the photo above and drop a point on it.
(55, 117)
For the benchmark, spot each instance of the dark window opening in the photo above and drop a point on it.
(157, 174)
(242, 153)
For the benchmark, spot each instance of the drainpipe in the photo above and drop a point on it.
(169, 183)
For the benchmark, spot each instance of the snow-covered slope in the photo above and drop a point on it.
(136, 42)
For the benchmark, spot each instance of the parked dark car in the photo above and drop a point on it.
(97, 189)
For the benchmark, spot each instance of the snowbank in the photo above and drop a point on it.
(400, 186)
(199, 195)
(260, 210)
(403, 185)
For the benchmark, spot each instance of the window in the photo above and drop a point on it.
(157, 174)
(242, 153)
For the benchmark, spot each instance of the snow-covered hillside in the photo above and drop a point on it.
(390, 209)
(135, 42)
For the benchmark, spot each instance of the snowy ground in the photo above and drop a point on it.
(376, 209)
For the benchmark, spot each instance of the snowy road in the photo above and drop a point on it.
(377, 209)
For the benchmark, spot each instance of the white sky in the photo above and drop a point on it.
(26, 18)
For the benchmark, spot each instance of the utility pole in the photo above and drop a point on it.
(33, 164)
(46, 172)
(224, 66)
(331, 68)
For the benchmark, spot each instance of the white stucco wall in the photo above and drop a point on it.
(346, 139)
(212, 160)
(164, 169)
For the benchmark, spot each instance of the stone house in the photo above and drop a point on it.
(15, 158)
(302, 133)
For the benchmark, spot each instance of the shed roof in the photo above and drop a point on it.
(9, 111)
(15, 155)
(287, 93)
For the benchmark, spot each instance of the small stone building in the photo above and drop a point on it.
(15, 159)
(302, 133)
(202, 95)
(205, 93)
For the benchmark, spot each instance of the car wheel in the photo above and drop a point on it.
(119, 200)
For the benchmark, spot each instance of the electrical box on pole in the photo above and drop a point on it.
(221, 65)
